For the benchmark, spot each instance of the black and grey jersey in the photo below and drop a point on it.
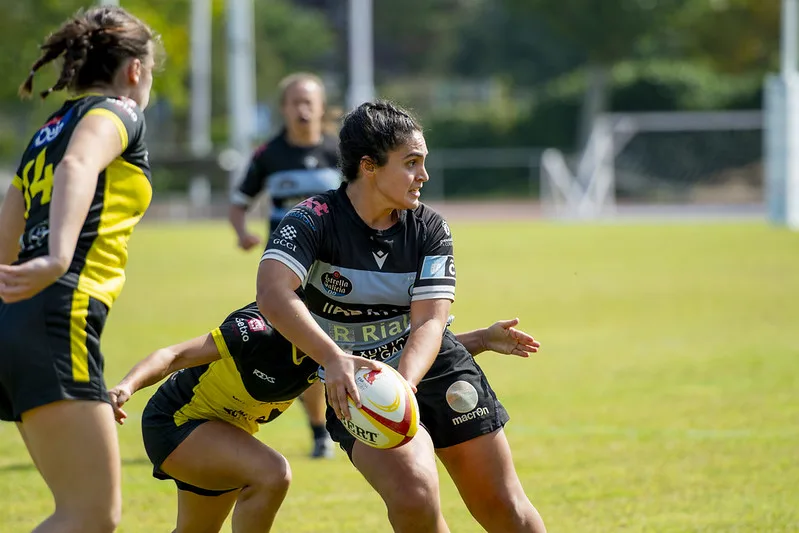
(359, 282)
(289, 174)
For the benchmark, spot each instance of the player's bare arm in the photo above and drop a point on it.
(12, 222)
(95, 143)
(501, 337)
(158, 365)
(278, 302)
(428, 321)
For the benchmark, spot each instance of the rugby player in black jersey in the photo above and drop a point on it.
(297, 163)
(378, 276)
(198, 425)
(82, 185)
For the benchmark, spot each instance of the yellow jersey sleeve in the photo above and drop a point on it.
(17, 182)
(221, 345)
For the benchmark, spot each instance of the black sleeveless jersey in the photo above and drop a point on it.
(289, 174)
(122, 195)
(359, 282)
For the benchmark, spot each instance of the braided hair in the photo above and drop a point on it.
(93, 44)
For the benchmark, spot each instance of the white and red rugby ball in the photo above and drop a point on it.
(389, 416)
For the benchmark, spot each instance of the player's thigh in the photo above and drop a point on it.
(74, 445)
(482, 469)
(220, 456)
(203, 514)
(400, 475)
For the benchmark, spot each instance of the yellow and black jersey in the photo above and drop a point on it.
(122, 195)
(256, 380)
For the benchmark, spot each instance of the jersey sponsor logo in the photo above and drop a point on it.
(302, 217)
(336, 284)
(125, 105)
(333, 309)
(438, 267)
(35, 237)
(445, 242)
(445, 227)
(244, 331)
(317, 207)
(480, 412)
(380, 258)
(369, 333)
(288, 232)
(256, 324)
(51, 130)
(385, 352)
(462, 396)
(263, 376)
(285, 243)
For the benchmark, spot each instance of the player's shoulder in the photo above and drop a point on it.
(124, 107)
(247, 321)
(426, 215)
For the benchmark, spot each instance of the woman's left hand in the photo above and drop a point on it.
(23, 281)
(502, 337)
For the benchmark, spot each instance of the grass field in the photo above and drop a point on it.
(665, 398)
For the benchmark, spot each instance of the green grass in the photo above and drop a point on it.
(664, 398)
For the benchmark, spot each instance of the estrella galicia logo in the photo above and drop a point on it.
(336, 284)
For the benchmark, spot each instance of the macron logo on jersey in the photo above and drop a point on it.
(380, 258)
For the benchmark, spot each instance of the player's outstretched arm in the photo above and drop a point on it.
(501, 337)
(158, 365)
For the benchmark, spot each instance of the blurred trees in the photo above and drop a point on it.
(482, 72)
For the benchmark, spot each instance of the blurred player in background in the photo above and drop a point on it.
(298, 162)
(81, 187)
(198, 426)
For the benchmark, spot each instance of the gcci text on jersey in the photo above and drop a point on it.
(121, 197)
(359, 282)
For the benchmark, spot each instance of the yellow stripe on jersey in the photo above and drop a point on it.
(79, 352)
(221, 345)
(126, 196)
(17, 182)
(123, 132)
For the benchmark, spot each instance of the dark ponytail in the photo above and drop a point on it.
(92, 44)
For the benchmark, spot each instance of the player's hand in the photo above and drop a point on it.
(23, 281)
(247, 241)
(502, 337)
(118, 396)
(340, 381)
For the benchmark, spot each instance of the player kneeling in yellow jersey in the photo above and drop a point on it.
(198, 426)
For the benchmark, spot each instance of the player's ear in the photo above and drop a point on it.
(368, 165)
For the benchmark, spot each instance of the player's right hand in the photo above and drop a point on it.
(118, 396)
(248, 241)
(340, 381)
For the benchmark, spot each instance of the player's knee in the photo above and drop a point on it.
(95, 520)
(506, 512)
(417, 501)
(272, 474)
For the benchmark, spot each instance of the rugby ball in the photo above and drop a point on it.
(389, 416)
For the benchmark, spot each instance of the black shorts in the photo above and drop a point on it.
(50, 350)
(162, 437)
(456, 402)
